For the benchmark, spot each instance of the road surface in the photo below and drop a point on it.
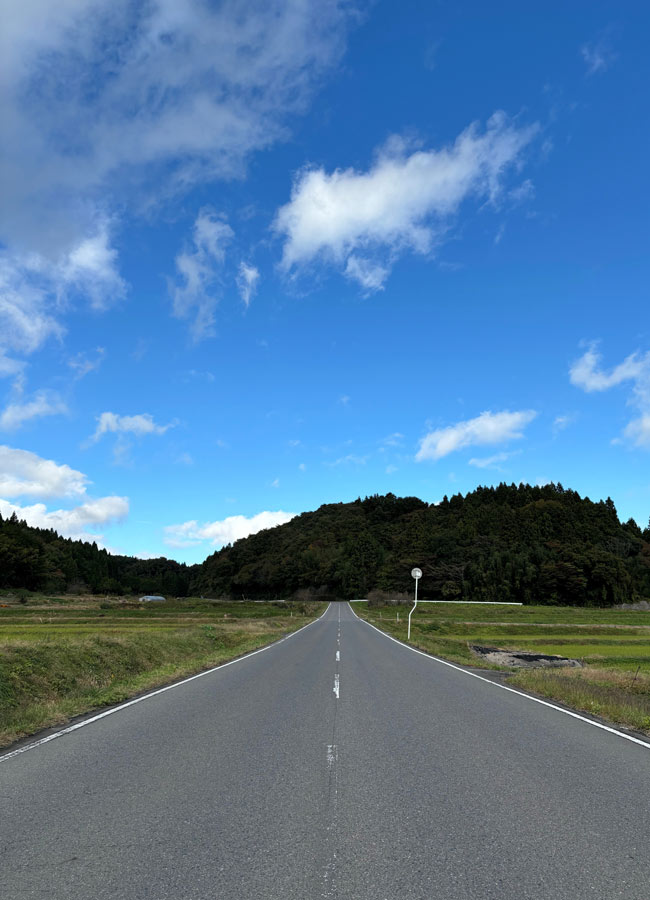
(336, 764)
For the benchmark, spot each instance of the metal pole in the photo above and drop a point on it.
(408, 635)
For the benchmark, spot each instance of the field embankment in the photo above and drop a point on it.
(612, 645)
(60, 657)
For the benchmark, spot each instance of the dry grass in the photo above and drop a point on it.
(59, 663)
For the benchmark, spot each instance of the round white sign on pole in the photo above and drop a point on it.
(416, 573)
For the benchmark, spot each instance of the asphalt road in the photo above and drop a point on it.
(379, 775)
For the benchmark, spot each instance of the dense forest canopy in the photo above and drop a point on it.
(518, 543)
(38, 559)
(514, 543)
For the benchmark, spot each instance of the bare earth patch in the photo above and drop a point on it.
(523, 659)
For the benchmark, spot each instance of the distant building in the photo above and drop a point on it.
(152, 598)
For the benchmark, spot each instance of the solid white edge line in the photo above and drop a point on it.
(503, 687)
(162, 690)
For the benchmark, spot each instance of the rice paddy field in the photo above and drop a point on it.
(62, 656)
(612, 645)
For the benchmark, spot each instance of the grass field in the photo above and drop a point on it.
(612, 645)
(60, 657)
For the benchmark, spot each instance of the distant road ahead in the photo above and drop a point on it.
(337, 764)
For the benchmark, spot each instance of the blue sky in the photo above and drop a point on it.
(255, 257)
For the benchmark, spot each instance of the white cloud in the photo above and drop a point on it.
(120, 106)
(9, 366)
(586, 373)
(488, 428)
(43, 403)
(226, 531)
(139, 425)
(489, 462)
(90, 269)
(23, 473)
(362, 221)
(73, 522)
(275, 483)
(35, 290)
(638, 431)
(370, 275)
(247, 279)
(199, 269)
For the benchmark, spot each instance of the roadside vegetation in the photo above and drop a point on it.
(63, 656)
(612, 645)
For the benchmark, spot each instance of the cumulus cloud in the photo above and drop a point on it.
(247, 279)
(488, 428)
(226, 531)
(43, 403)
(111, 423)
(362, 221)
(75, 522)
(23, 473)
(199, 270)
(587, 374)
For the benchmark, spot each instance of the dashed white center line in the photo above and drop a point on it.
(338, 655)
(336, 686)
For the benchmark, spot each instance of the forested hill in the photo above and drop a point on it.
(38, 559)
(530, 544)
(518, 543)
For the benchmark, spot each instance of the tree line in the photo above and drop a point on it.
(512, 542)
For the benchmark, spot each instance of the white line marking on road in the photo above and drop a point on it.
(503, 687)
(338, 656)
(336, 686)
(170, 687)
(332, 755)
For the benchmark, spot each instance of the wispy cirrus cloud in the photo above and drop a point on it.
(487, 429)
(598, 55)
(362, 221)
(490, 462)
(35, 290)
(199, 269)
(42, 403)
(247, 281)
(224, 531)
(139, 425)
